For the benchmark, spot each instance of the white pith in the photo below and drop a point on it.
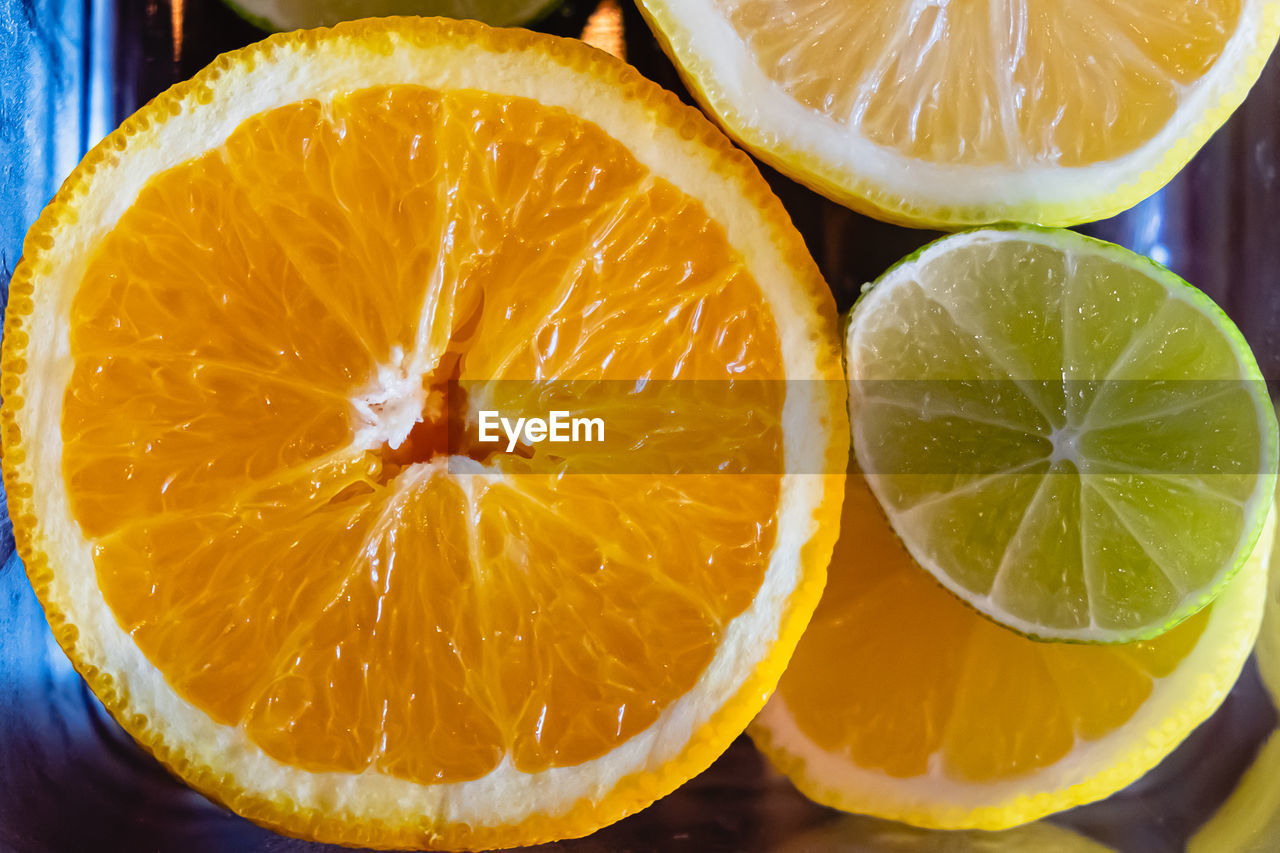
(505, 795)
(761, 112)
(1062, 439)
(1093, 769)
(389, 407)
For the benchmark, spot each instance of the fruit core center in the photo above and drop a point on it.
(1064, 441)
(410, 417)
(437, 432)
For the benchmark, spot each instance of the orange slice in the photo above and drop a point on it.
(903, 703)
(242, 346)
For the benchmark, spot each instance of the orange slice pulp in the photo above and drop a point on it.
(232, 434)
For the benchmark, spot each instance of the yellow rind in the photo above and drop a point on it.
(846, 186)
(1233, 634)
(858, 834)
(334, 825)
(1267, 650)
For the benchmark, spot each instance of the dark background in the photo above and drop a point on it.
(71, 780)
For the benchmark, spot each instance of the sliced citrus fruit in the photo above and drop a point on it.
(1069, 437)
(280, 15)
(944, 115)
(903, 703)
(1249, 821)
(1268, 648)
(227, 384)
(857, 834)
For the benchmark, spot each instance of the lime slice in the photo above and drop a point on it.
(857, 834)
(1249, 821)
(1066, 435)
(281, 15)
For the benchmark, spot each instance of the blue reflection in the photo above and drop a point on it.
(55, 83)
(1142, 228)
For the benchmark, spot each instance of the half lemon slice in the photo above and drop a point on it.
(953, 114)
(903, 703)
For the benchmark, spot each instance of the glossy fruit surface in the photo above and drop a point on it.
(1066, 435)
(904, 704)
(956, 114)
(232, 436)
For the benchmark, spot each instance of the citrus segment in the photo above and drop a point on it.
(264, 534)
(950, 114)
(1072, 471)
(903, 703)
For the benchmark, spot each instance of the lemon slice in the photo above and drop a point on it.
(281, 15)
(944, 114)
(1249, 821)
(857, 834)
(231, 373)
(1066, 435)
(903, 703)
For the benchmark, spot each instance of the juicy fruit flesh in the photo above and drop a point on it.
(1083, 450)
(919, 677)
(978, 82)
(253, 343)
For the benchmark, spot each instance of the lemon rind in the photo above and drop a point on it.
(860, 834)
(1267, 649)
